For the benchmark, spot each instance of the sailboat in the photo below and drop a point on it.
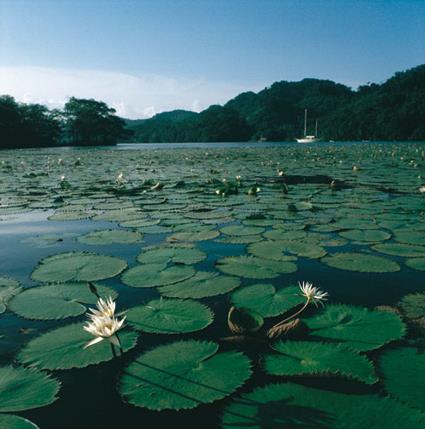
(306, 138)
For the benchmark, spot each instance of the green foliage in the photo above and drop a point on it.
(315, 358)
(24, 389)
(403, 372)
(355, 327)
(178, 255)
(413, 305)
(8, 289)
(170, 316)
(63, 348)
(298, 407)
(183, 375)
(361, 262)
(9, 421)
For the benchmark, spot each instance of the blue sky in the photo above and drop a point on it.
(148, 56)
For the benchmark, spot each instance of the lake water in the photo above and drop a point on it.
(348, 217)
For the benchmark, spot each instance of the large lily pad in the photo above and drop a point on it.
(201, 285)
(57, 301)
(413, 305)
(8, 289)
(24, 389)
(182, 375)
(254, 268)
(291, 405)
(400, 249)
(361, 262)
(152, 275)
(77, 266)
(356, 327)
(241, 230)
(63, 348)
(366, 235)
(170, 316)
(111, 236)
(403, 372)
(9, 421)
(266, 300)
(316, 358)
(416, 264)
(176, 254)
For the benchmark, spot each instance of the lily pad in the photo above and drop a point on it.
(9, 421)
(24, 389)
(254, 268)
(194, 236)
(289, 405)
(152, 275)
(365, 235)
(242, 320)
(361, 262)
(77, 266)
(111, 236)
(58, 301)
(356, 327)
(63, 348)
(399, 249)
(170, 316)
(316, 358)
(266, 300)
(416, 264)
(183, 375)
(178, 255)
(203, 284)
(241, 230)
(8, 289)
(413, 305)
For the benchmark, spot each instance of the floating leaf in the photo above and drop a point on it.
(366, 235)
(403, 372)
(63, 348)
(201, 285)
(178, 255)
(183, 375)
(111, 236)
(361, 262)
(416, 264)
(399, 249)
(57, 301)
(315, 358)
(170, 316)
(24, 389)
(241, 230)
(266, 300)
(254, 268)
(413, 305)
(77, 266)
(289, 405)
(242, 320)
(356, 327)
(410, 236)
(8, 289)
(9, 421)
(151, 275)
(194, 236)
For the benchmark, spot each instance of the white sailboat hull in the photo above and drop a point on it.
(308, 140)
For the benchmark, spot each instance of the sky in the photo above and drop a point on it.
(148, 56)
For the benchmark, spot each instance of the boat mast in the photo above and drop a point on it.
(316, 128)
(305, 122)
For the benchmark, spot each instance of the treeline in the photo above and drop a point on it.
(394, 110)
(81, 122)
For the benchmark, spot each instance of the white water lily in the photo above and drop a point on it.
(422, 189)
(312, 293)
(104, 328)
(105, 308)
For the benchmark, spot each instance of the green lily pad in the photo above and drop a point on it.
(403, 372)
(355, 327)
(413, 305)
(170, 316)
(203, 284)
(58, 301)
(366, 235)
(178, 255)
(242, 320)
(277, 234)
(289, 405)
(254, 268)
(399, 249)
(9, 421)
(410, 236)
(24, 389)
(111, 236)
(77, 266)
(183, 375)
(8, 289)
(316, 358)
(241, 230)
(416, 264)
(194, 236)
(361, 262)
(266, 300)
(152, 275)
(271, 249)
(63, 348)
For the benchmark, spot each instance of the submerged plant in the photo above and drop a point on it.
(312, 294)
(103, 324)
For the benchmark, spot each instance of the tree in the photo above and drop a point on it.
(89, 122)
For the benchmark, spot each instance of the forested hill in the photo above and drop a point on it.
(394, 110)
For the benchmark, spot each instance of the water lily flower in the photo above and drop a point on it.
(104, 328)
(238, 178)
(105, 308)
(280, 173)
(312, 293)
(422, 189)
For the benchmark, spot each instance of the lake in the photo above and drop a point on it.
(177, 234)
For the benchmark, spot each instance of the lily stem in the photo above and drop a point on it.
(293, 315)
